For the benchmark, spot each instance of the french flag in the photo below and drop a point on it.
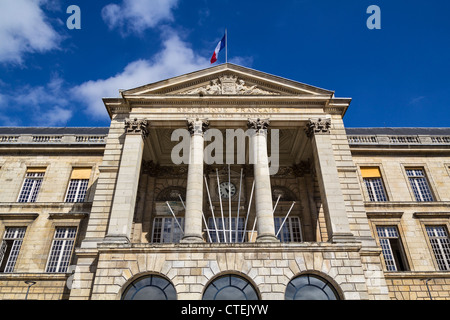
(219, 48)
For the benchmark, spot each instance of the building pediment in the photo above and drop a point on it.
(227, 79)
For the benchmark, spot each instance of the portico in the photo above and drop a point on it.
(228, 97)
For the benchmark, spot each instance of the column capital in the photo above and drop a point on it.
(260, 125)
(317, 126)
(136, 126)
(197, 126)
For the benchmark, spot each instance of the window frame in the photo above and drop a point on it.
(328, 288)
(425, 177)
(428, 179)
(61, 252)
(212, 230)
(440, 248)
(403, 248)
(32, 196)
(14, 251)
(288, 224)
(218, 284)
(173, 226)
(371, 189)
(428, 221)
(167, 287)
(77, 190)
(384, 182)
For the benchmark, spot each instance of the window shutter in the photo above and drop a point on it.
(370, 172)
(35, 170)
(81, 173)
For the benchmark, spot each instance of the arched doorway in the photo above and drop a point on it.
(150, 287)
(310, 287)
(230, 287)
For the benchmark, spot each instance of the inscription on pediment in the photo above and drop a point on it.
(228, 85)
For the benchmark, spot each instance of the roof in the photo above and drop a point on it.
(399, 131)
(54, 130)
(105, 130)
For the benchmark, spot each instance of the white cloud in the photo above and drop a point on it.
(24, 29)
(174, 59)
(46, 105)
(138, 15)
(55, 116)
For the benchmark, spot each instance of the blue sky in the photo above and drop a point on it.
(397, 76)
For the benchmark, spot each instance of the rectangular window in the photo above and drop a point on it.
(440, 244)
(224, 231)
(167, 230)
(419, 184)
(393, 253)
(31, 185)
(61, 250)
(10, 247)
(291, 231)
(374, 183)
(79, 180)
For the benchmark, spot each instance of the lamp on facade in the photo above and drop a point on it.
(30, 284)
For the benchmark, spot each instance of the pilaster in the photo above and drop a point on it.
(318, 130)
(122, 211)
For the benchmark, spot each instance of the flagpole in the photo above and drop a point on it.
(226, 46)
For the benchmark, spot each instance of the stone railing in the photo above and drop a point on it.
(397, 140)
(52, 139)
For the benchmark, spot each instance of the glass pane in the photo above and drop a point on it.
(309, 287)
(150, 288)
(310, 293)
(230, 293)
(150, 293)
(230, 288)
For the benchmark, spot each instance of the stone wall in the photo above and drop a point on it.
(269, 267)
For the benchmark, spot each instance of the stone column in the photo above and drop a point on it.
(263, 190)
(318, 130)
(194, 190)
(122, 211)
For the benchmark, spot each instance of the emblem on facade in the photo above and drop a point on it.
(137, 126)
(318, 126)
(228, 85)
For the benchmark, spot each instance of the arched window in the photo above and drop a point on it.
(310, 287)
(230, 287)
(150, 288)
(284, 193)
(172, 194)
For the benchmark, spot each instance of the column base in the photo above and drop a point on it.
(267, 238)
(342, 237)
(192, 239)
(116, 239)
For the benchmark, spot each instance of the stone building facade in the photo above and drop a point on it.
(302, 208)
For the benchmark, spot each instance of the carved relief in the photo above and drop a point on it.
(137, 126)
(228, 85)
(319, 126)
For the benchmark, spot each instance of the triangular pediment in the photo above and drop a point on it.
(227, 79)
